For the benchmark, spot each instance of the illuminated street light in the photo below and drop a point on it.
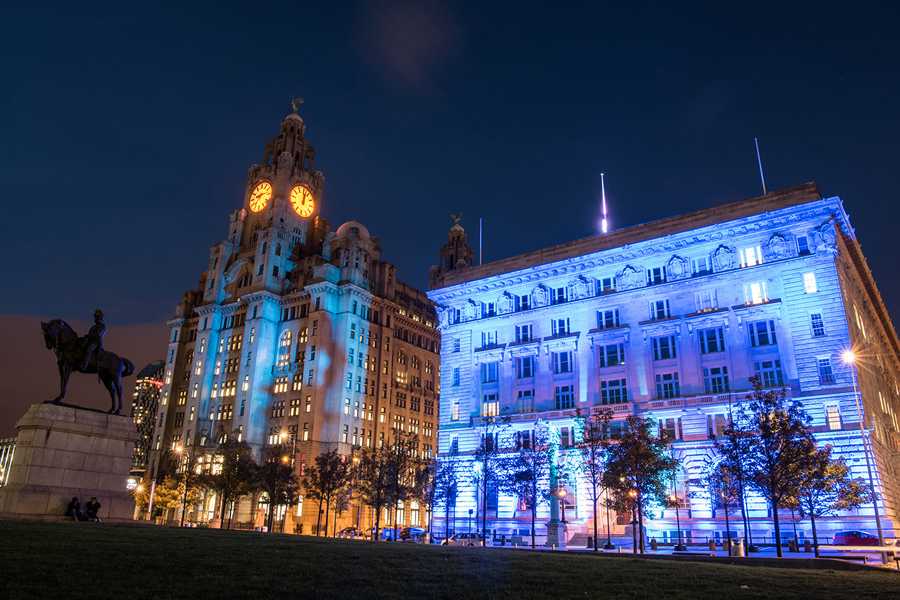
(848, 357)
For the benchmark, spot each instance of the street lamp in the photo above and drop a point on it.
(849, 358)
(179, 450)
(679, 547)
(561, 494)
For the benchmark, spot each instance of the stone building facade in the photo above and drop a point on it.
(144, 407)
(669, 320)
(299, 335)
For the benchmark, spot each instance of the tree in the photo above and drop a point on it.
(275, 476)
(724, 486)
(373, 476)
(328, 476)
(592, 448)
(639, 468)
(734, 446)
(169, 494)
(402, 466)
(782, 442)
(489, 458)
(523, 473)
(232, 474)
(444, 487)
(826, 487)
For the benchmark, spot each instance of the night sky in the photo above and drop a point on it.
(125, 137)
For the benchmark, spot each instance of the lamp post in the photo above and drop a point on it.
(609, 545)
(849, 358)
(679, 547)
(179, 450)
(560, 493)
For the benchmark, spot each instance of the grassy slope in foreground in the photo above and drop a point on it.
(82, 560)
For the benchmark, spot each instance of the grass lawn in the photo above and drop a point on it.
(86, 560)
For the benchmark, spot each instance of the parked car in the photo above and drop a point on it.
(350, 533)
(412, 534)
(388, 534)
(854, 538)
(464, 539)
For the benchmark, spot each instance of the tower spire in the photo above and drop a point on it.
(604, 222)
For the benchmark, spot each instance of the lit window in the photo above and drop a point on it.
(490, 407)
(755, 293)
(751, 256)
(833, 416)
(454, 412)
(809, 283)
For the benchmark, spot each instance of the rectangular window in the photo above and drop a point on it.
(750, 256)
(608, 319)
(524, 333)
(659, 309)
(454, 412)
(612, 355)
(489, 372)
(566, 437)
(762, 333)
(700, 266)
(607, 285)
(712, 340)
(562, 362)
(456, 344)
(667, 385)
(489, 338)
(716, 424)
(524, 367)
(826, 375)
(559, 327)
(559, 295)
(817, 324)
(564, 396)
(525, 399)
(756, 293)
(809, 283)
(490, 407)
(715, 380)
(455, 376)
(613, 391)
(769, 372)
(522, 302)
(664, 347)
(706, 301)
(656, 275)
(802, 245)
(671, 428)
(833, 417)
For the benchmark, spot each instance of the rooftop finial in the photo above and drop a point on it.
(296, 103)
(604, 221)
(456, 218)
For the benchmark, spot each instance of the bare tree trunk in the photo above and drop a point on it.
(319, 517)
(774, 505)
(812, 520)
(727, 529)
(595, 519)
(640, 509)
(327, 507)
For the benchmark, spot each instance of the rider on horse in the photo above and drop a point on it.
(93, 341)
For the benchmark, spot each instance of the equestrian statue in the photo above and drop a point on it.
(86, 355)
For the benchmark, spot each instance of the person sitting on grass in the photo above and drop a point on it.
(74, 509)
(92, 508)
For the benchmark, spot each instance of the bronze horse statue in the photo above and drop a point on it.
(70, 349)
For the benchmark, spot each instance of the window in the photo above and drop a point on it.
(489, 338)
(562, 362)
(564, 396)
(524, 439)
(671, 428)
(306, 432)
(833, 417)
(706, 301)
(656, 275)
(700, 266)
(712, 340)
(490, 407)
(750, 256)
(454, 412)
(756, 293)
(769, 372)
(525, 399)
(659, 309)
(667, 385)
(524, 367)
(612, 355)
(454, 445)
(566, 437)
(663, 347)
(607, 285)
(715, 380)
(809, 283)
(524, 333)
(488, 309)
(456, 344)
(455, 376)
(489, 372)
(762, 333)
(817, 324)
(826, 375)
(559, 327)
(716, 424)
(284, 349)
(522, 302)
(802, 245)
(559, 295)
(608, 319)
(613, 391)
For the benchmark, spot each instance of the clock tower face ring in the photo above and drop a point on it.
(260, 196)
(302, 201)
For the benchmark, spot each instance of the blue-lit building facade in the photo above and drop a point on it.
(669, 320)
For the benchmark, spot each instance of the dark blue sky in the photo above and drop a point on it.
(125, 137)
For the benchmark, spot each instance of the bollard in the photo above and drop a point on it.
(739, 549)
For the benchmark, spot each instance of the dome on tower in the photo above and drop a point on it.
(353, 228)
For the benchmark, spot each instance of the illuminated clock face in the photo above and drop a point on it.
(302, 201)
(260, 196)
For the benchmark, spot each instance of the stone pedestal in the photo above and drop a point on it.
(64, 451)
(557, 534)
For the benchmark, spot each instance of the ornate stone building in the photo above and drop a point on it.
(669, 320)
(298, 335)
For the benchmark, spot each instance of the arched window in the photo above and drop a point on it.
(284, 349)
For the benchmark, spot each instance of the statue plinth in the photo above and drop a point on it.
(64, 452)
(557, 534)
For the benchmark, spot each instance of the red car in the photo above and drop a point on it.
(854, 538)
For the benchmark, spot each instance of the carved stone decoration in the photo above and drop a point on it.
(470, 310)
(678, 268)
(580, 287)
(823, 237)
(505, 303)
(284, 161)
(724, 258)
(629, 278)
(777, 247)
(540, 296)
